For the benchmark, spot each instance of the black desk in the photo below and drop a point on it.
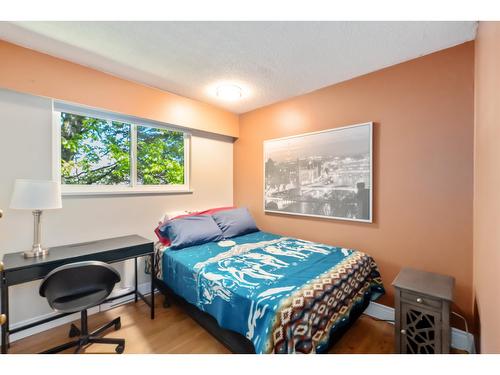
(15, 269)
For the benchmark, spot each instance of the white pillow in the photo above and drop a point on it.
(170, 214)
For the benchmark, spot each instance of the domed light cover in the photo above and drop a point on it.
(229, 92)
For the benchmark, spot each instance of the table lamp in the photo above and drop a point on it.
(36, 195)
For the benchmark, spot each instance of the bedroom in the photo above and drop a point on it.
(314, 191)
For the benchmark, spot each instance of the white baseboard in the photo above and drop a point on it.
(44, 327)
(381, 312)
(460, 340)
(145, 289)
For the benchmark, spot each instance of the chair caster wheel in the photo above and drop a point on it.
(118, 325)
(74, 331)
(119, 349)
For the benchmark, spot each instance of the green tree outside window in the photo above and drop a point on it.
(160, 156)
(98, 152)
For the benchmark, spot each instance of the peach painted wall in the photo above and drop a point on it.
(32, 72)
(487, 185)
(423, 112)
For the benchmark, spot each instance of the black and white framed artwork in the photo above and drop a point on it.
(324, 174)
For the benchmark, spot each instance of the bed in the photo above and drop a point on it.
(265, 293)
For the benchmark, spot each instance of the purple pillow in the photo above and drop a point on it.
(191, 230)
(235, 222)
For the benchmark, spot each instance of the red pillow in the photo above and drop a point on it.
(166, 241)
(214, 210)
(163, 240)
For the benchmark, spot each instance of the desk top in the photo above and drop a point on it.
(431, 284)
(13, 261)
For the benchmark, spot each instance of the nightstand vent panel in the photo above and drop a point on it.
(421, 331)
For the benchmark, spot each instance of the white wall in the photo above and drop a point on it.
(25, 152)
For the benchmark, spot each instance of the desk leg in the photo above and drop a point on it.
(135, 286)
(152, 286)
(5, 311)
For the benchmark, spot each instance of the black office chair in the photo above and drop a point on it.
(77, 287)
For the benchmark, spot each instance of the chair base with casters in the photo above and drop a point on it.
(85, 338)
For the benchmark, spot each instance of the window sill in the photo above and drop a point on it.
(75, 192)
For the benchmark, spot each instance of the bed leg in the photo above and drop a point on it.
(166, 304)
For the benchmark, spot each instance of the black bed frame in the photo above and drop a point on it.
(234, 341)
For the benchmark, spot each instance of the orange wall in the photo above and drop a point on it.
(32, 72)
(487, 185)
(423, 164)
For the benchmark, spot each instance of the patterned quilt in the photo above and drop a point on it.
(284, 294)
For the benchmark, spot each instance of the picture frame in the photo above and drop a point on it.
(326, 174)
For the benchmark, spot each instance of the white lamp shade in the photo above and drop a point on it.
(36, 195)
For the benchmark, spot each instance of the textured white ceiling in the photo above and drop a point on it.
(272, 61)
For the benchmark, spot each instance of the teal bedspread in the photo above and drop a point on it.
(284, 294)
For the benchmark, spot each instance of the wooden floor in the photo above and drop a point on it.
(175, 332)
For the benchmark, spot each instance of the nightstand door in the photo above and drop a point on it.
(420, 330)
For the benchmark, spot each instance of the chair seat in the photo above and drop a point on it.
(77, 287)
(81, 301)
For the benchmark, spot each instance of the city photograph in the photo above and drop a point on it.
(321, 174)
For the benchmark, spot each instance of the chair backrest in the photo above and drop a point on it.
(78, 286)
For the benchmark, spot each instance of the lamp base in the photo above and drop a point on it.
(36, 252)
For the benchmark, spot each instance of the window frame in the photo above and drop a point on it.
(133, 187)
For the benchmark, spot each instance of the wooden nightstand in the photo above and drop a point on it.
(422, 302)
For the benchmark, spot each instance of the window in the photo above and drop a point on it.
(160, 156)
(100, 153)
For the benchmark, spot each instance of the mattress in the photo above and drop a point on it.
(284, 294)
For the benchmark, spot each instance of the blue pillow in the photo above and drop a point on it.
(191, 230)
(235, 222)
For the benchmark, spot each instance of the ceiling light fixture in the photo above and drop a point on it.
(229, 92)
